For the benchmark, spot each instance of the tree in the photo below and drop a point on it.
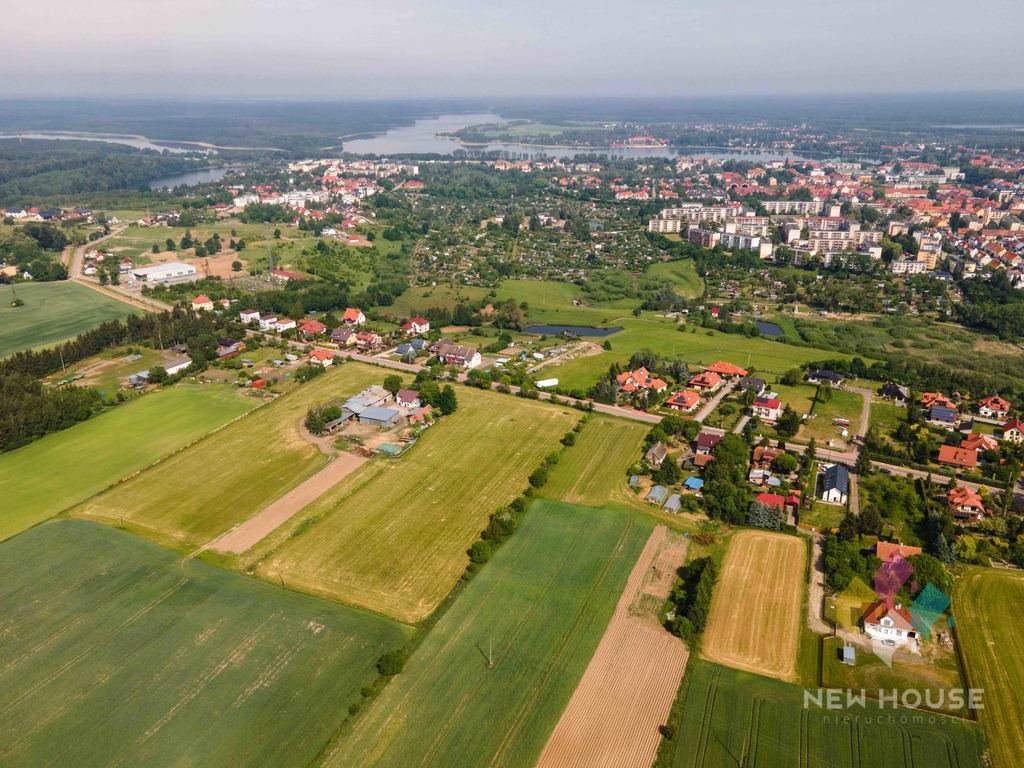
(669, 472)
(966, 548)
(928, 570)
(824, 392)
(785, 463)
(446, 401)
(236, 266)
(792, 377)
(848, 527)
(155, 248)
(789, 423)
(870, 521)
(158, 374)
(392, 383)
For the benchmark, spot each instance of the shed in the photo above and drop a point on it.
(657, 494)
(693, 483)
(674, 503)
(379, 417)
(848, 655)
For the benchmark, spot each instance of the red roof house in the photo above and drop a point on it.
(961, 458)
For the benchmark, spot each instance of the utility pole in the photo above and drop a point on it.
(490, 652)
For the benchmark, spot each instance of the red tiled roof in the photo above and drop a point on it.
(958, 457)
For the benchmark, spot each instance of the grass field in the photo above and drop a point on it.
(539, 607)
(694, 345)
(65, 468)
(393, 536)
(844, 404)
(756, 610)
(593, 471)
(987, 605)
(420, 298)
(549, 301)
(200, 493)
(52, 312)
(117, 653)
(736, 718)
(681, 275)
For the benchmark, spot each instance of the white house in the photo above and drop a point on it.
(407, 398)
(322, 357)
(353, 316)
(268, 322)
(890, 624)
(767, 408)
(178, 365)
(284, 324)
(247, 316)
(835, 483)
(416, 326)
(202, 302)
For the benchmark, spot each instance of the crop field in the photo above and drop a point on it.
(627, 691)
(697, 346)
(538, 610)
(68, 467)
(118, 653)
(681, 275)
(393, 536)
(52, 312)
(198, 494)
(756, 611)
(986, 606)
(737, 718)
(593, 471)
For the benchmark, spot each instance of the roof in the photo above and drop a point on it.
(1014, 424)
(995, 402)
(376, 413)
(685, 398)
(675, 501)
(880, 609)
(321, 354)
(771, 500)
(962, 496)
(752, 382)
(825, 375)
(885, 550)
(705, 379)
(726, 369)
(658, 493)
(958, 457)
(836, 477)
(202, 298)
(767, 402)
(657, 451)
(708, 439)
(352, 314)
(693, 483)
(407, 395)
(939, 413)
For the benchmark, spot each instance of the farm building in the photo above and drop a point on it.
(657, 495)
(693, 484)
(171, 272)
(370, 397)
(673, 504)
(177, 365)
(835, 484)
(379, 417)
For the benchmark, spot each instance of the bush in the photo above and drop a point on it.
(392, 662)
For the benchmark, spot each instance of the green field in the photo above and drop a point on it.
(844, 404)
(65, 468)
(681, 275)
(420, 298)
(199, 493)
(697, 346)
(52, 312)
(593, 471)
(549, 301)
(117, 653)
(987, 607)
(737, 718)
(539, 607)
(393, 536)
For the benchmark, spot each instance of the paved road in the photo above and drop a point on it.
(712, 403)
(894, 469)
(865, 411)
(73, 259)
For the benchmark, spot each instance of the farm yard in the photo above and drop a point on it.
(593, 471)
(538, 610)
(987, 609)
(737, 718)
(756, 612)
(97, 453)
(197, 494)
(52, 312)
(116, 652)
(392, 538)
(627, 690)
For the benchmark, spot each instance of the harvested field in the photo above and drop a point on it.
(253, 530)
(539, 609)
(612, 718)
(118, 653)
(393, 537)
(756, 611)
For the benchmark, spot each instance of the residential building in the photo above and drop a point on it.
(726, 370)
(247, 316)
(889, 623)
(353, 316)
(961, 458)
(640, 380)
(706, 442)
(994, 407)
(408, 398)
(656, 454)
(310, 328)
(202, 303)
(1013, 431)
(416, 326)
(835, 484)
(823, 376)
(767, 408)
(706, 382)
(965, 504)
(322, 357)
(456, 354)
(685, 400)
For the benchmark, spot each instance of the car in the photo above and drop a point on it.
(890, 643)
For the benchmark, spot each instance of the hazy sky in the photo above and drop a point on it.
(394, 48)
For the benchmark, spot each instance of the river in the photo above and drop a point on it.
(422, 138)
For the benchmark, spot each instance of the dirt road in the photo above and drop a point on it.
(245, 536)
(626, 692)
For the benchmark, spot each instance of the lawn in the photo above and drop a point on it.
(52, 312)
(198, 494)
(697, 346)
(420, 298)
(886, 417)
(593, 471)
(65, 468)
(737, 718)
(987, 605)
(118, 653)
(681, 275)
(538, 609)
(823, 516)
(843, 404)
(550, 301)
(393, 536)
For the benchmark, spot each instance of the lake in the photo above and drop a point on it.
(573, 330)
(422, 138)
(768, 329)
(189, 179)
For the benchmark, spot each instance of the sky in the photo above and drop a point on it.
(337, 49)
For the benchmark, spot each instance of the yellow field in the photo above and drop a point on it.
(393, 536)
(758, 603)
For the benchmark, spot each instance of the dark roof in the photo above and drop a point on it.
(943, 414)
(895, 391)
(752, 382)
(838, 477)
(822, 375)
(708, 440)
